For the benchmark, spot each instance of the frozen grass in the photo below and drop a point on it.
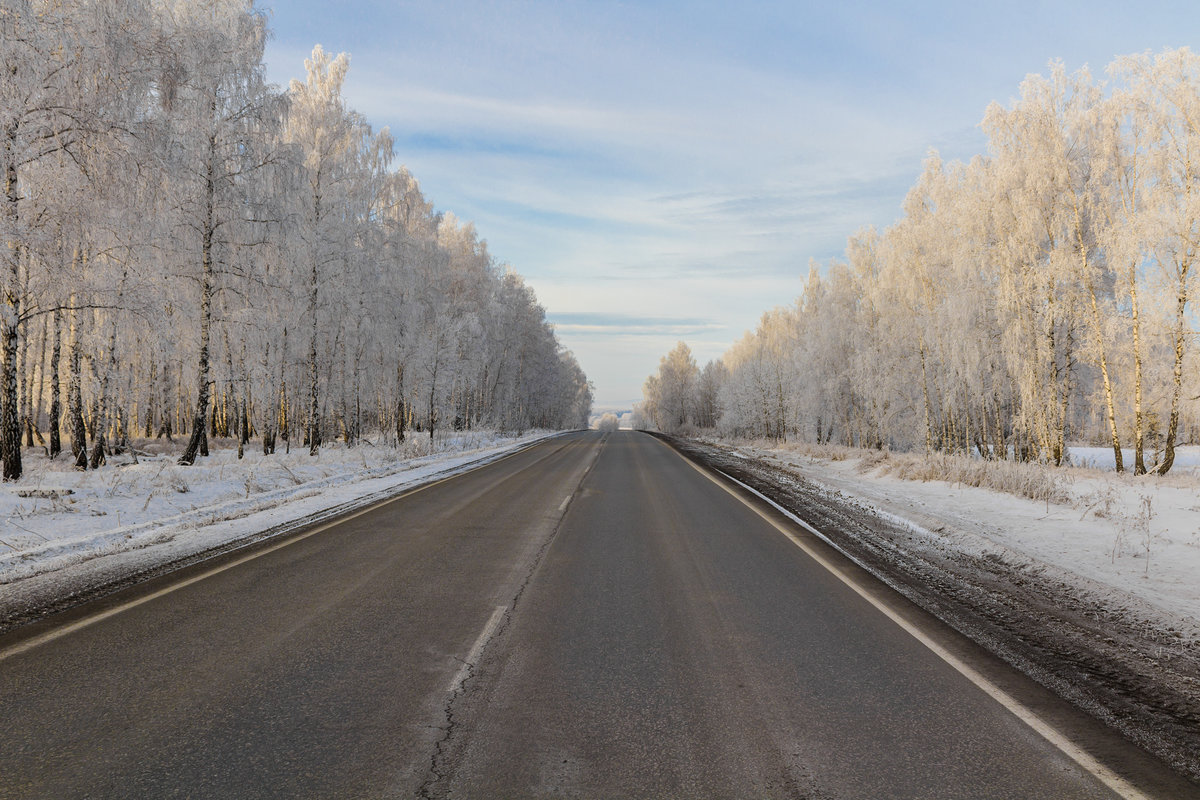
(1031, 481)
(1136, 538)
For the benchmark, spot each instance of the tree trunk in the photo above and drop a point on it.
(1109, 409)
(925, 394)
(283, 398)
(1098, 327)
(198, 443)
(269, 410)
(356, 425)
(40, 381)
(1180, 332)
(24, 403)
(314, 409)
(151, 399)
(10, 428)
(28, 373)
(401, 411)
(104, 422)
(245, 426)
(1139, 459)
(165, 416)
(55, 390)
(432, 412)
(75, 388)
(432, 399)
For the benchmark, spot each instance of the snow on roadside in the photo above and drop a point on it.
(56, 517)
(1136, 540)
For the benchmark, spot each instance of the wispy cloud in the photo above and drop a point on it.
(595, 323)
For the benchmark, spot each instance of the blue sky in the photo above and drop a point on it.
(666, 170)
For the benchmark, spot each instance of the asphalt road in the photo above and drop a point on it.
(591, 617)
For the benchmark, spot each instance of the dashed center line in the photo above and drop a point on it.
(473, 655)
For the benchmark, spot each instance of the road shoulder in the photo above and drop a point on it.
(1135, 678)
(45, 581)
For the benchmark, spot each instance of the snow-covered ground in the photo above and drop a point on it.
(156, 511)
(1137, 540)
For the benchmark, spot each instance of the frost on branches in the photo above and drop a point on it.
(1036, 295)
(190, 252)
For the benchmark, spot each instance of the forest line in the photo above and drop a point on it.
(1036, 295)
(191, 251)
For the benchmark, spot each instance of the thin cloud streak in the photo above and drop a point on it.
(584, 324)
(636, 330)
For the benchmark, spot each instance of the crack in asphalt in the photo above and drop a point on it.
(442, 760)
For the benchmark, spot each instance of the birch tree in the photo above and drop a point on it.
(1163, 100)
(180, 252)
(670, 395)
(66, 74)
(327, 135)
(218, 136)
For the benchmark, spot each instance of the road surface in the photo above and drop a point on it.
(590, 617)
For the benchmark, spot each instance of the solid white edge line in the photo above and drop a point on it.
(473, 654)
(1102, 773)
(65, 630)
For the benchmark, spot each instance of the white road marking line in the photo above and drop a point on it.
(1102, 773)
(473, 655)
(563, 506)
(58, 633)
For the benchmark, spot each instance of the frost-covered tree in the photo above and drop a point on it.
(70, 74)
(216, 139)
(327, 135)
(670, 395)
(190, 251)
(707, 405)
(1163, 103)
(1032, 296)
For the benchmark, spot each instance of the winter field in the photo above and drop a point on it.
(56, 519)
(1130, 541)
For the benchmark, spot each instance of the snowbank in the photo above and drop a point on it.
(1134, 538)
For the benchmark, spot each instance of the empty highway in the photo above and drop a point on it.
(590, 617)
